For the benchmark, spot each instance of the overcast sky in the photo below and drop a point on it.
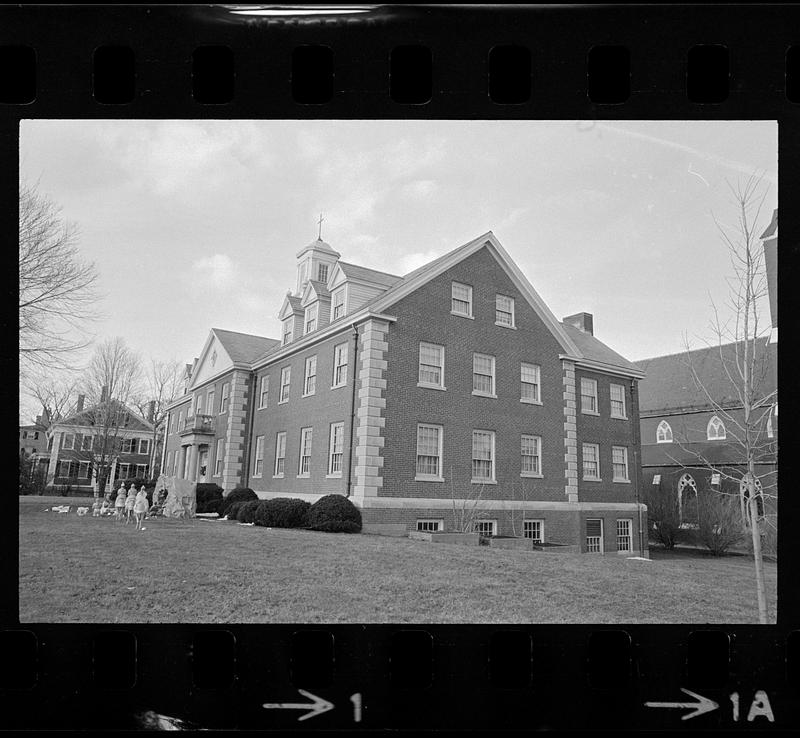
(194, 225)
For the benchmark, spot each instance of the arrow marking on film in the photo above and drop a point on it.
(317, 707)
(698, 708)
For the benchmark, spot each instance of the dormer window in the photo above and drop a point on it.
(322, 274)
(337, 303)
(311, 318)
(287, 330)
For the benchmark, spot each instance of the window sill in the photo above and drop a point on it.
(483, 394)
(256, 476)
(462, 315)
(338, 386)
(590, 412)
(621, 481)
(483, 481)
(303, 476)
(422, 478)
(663, 441)
(592, 479)
(310, 394)
(530, 402)
(337, 475)
(505, 325)
(283, 402)
(531, 475)
(277, 476)
(262, 407)
(619, 417)
(431, 386)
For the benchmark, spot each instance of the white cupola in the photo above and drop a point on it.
(315, 263)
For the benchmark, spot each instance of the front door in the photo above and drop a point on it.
(202, 464)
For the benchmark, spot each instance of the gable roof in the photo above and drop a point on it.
(243, 347)
(364, 274)
(670, 387)
(320, 290)
(595, 350)
(76, 417)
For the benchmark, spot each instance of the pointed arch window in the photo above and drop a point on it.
(664, 432)
(715, 430)
(744, 499)
(687, 502)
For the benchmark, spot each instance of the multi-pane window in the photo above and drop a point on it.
(63, 468)
(485, 527)
(594, 536)
(624, 535)
(144, 445)
(142, 470)
(530, 378)
(588, 395)
(336, 448)
(226, 391)
(68, 441)
(430, 526)
(128, 445)
(483, 374)
(337, 303)
(210, 401)
(199, 405)
(339, 365)
(619, 461)
(591, 461)
(664, 432)
(533, 529)
(715, 430)
(431, 364)
(531, 456)
(311, 318)
(482, 456)
(310, 376)
(461, 302)
(87, 442)
(429, 451)
(287, 330)
(263, 399)
(218, 457)
(304, 468)
(123, 471)
(83, 470)
(286, 379)
(504, 310)
(258, 457)
(280, 453)
(617, 401)
(322, 273)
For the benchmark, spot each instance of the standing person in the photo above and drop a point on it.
(140, 507)
(96, 506)
(130, 501)
(119, 504)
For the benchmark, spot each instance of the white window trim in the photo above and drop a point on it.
(479, 393)
(602, 535)
(288, 385)
(141, 441)
(668, 427)
(513, 325)
(596, 398)
(258, 457)
(83, 441)
(724, 435)
(80, 465)
(300, 474)
(306, 318)
(541, 528)
(430, 477)
(527, 474)
(345, 364)
(526, 400)
(471, 314)
(146, 472)
(287, 322)
(306, 376)
(430, 385)
(275, 474)
(211, 395)
(219, 458)
(438, 521)
(342, 290)
(598, 478)
(493, 480)
(261, 403)
(334, 474)
(64, 446)
(620, 480)
(493, 522)
(624, 415)
(225, 397)
(629, 521)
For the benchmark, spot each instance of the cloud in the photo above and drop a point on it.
(420, 189)
(410, 262)
(217, 271)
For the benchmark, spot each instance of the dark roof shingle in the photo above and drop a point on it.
(244, 347)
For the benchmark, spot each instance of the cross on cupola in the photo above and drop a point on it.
(319, 222)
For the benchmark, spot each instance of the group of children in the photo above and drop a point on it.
(130, 505)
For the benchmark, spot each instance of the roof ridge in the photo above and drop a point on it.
(242, 333)
(371, 269)
(692, 351)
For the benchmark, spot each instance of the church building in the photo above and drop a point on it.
(422, 398)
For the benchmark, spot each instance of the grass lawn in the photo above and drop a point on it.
(88, 569)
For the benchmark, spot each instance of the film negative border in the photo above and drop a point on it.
(646, 62)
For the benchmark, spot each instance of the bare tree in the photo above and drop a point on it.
(57, 294)
(742, 351)
(466, 510)
(162, 384)
(56, 393)
(112, 381)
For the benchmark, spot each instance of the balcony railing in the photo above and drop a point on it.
(198, 424)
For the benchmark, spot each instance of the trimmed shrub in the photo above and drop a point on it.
(208, 497)
(334, 514)
(247, 511)
(240, 494)
(282, 512)
(232, 511)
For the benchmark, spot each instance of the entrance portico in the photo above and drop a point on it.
(196, 436)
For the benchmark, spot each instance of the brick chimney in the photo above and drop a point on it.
(151, 410)
(81, 400)
(581, 321)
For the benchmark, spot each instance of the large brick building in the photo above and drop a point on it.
(416, 395)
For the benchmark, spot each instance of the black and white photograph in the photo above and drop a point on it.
(398, 371)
